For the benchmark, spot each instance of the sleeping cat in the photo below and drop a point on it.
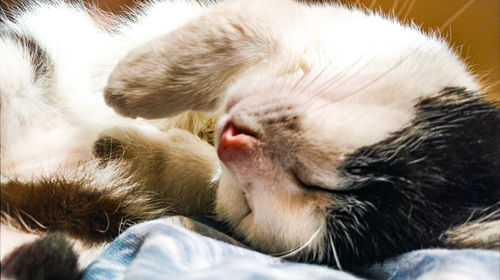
(340, 136)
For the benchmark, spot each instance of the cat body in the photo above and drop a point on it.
(343, 137)
(56, 73)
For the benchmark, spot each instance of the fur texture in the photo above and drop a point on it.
(58, 260)
(343, 137)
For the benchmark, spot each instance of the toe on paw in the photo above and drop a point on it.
(119, 102)
(107, 148)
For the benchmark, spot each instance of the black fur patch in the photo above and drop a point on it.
(405, 192)
(50, 257)
(40, 59)
(107, 148)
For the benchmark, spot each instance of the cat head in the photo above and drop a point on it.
(284, 140)
(310, 114)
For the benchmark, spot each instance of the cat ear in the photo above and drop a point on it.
(189, 68)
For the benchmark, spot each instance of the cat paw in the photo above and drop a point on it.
(122, 103)
(116, 143)
(107, 148)
(125, 143)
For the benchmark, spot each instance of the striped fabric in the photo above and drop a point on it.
(181, 248)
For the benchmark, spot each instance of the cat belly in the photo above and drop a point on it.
(45, 150)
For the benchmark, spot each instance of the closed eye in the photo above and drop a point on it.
(309, 187)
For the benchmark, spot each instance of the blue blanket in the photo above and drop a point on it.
(169, 249)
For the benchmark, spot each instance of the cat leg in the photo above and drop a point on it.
(192, 66)
(175, 164)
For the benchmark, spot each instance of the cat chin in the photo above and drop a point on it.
(251, 210)
(231, 204)
(301, 228)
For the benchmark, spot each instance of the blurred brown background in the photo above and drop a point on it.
(473, 24)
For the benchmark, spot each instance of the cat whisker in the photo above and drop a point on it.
(343, 72)
(23, 223)
(396, 65)
(403, 7)
(292, 252)
(394, 5)
(313, 96)
(121, 225)
(299, 84)
(32, 219)
(335, 256)
(372, 4)
(107, 224)
(410, 8)
(490, 86)
(456, 15)
(373, 81)
(336, 79)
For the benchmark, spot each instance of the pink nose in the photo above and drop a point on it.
(234, 144)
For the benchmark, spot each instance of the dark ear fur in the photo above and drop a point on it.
(50, 257)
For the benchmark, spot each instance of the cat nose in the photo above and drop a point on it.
(234, 144)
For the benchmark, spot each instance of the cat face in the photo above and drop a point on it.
(283, 138)
(330, 121)
(345, 138)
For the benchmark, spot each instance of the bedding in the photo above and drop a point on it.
(183, 248)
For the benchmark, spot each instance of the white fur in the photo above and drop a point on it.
(373, 70)
(61, 122)
(380, 69)
(49, 126)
